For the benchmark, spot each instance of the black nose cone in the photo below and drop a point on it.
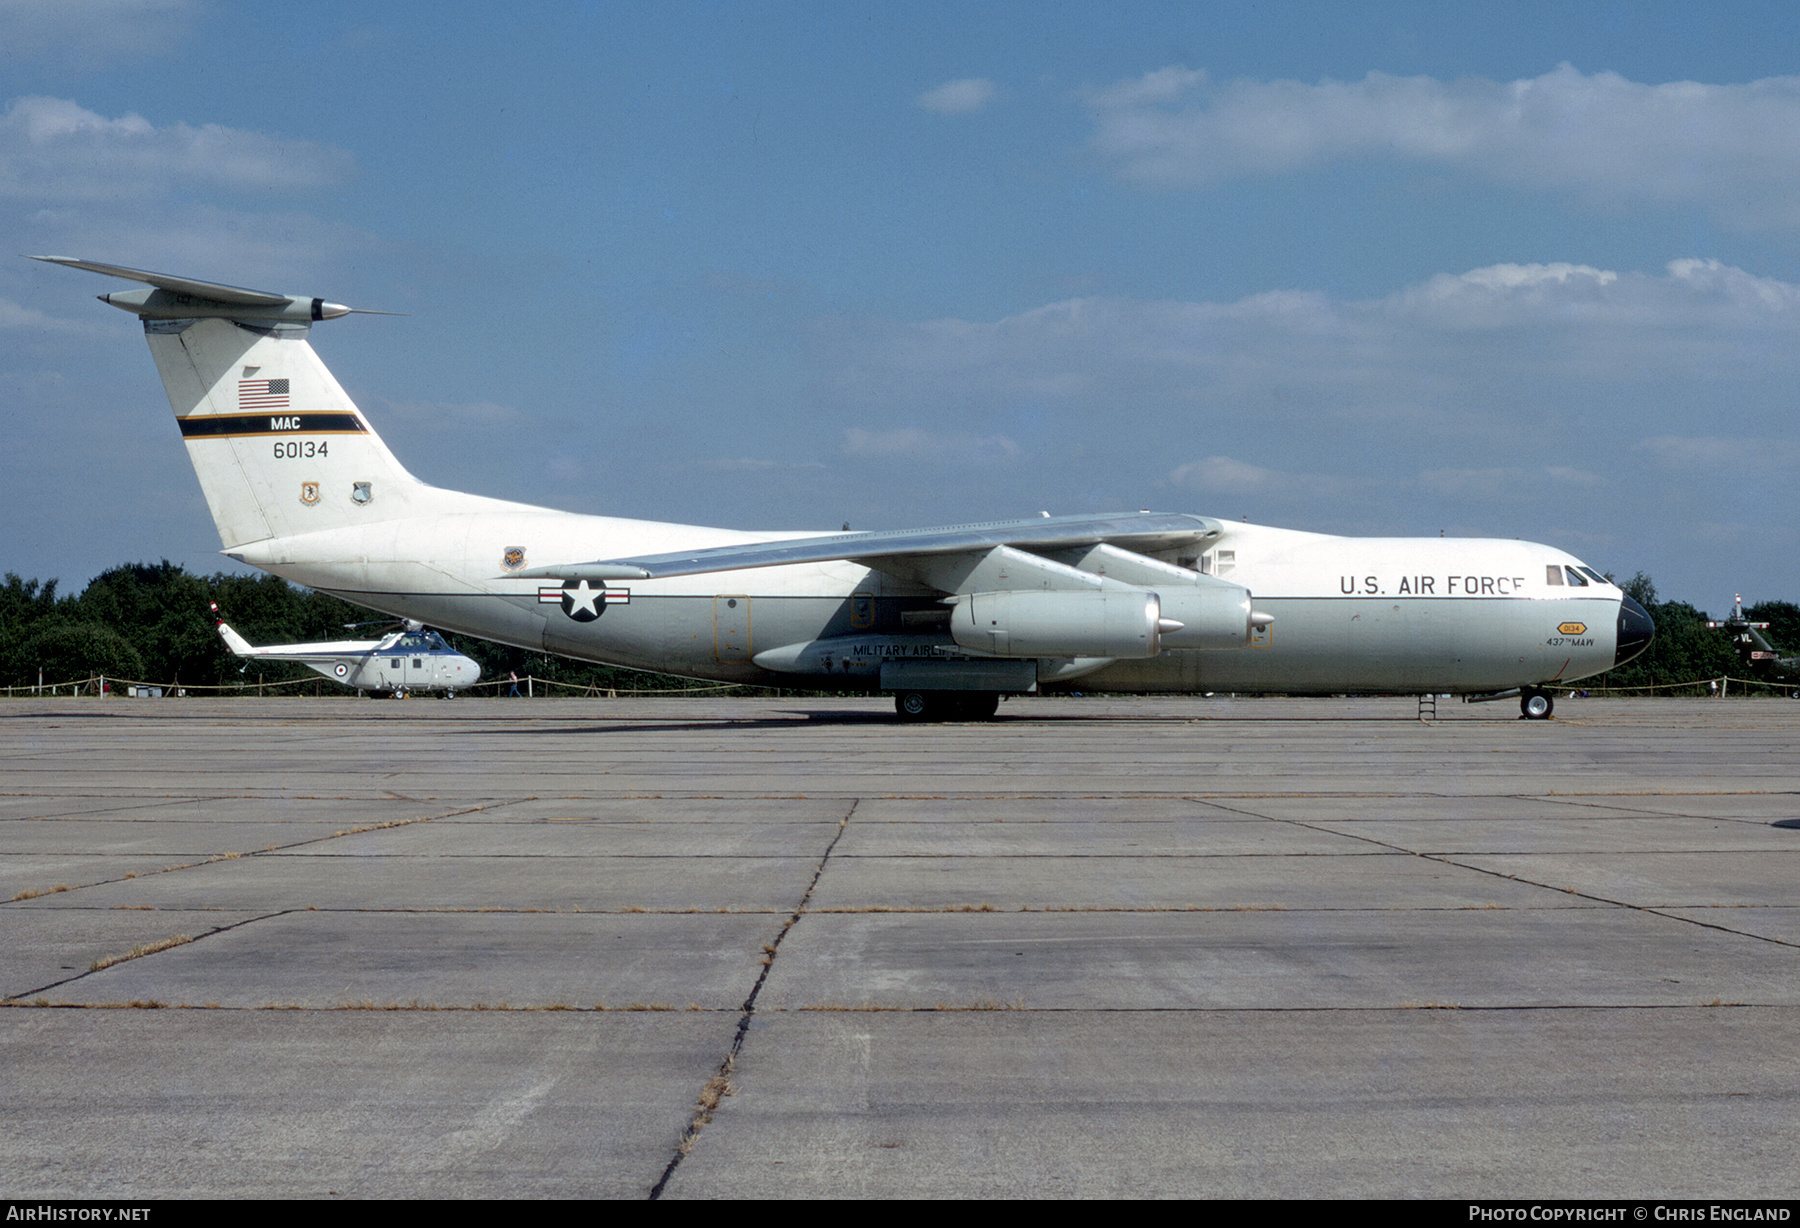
(1635, 631)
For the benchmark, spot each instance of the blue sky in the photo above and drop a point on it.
(1527, 271)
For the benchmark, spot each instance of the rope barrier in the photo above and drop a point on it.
(1719, 687)
(95, 684)
(1723, 684)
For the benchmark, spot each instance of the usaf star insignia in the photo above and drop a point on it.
(582, 601)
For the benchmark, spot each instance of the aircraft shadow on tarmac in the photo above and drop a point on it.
(794, 718)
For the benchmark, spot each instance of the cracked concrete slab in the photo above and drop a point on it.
(356, 1104)
(1373, 878)
(594, 883)
(1663, 878)
(49, 946)
(1559, 835)
(1275, 960)
(1329, 1105)
(1288, 948)
(981, 834)
(327, 959)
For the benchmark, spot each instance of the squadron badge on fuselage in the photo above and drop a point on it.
(512, 558)
(309, 493)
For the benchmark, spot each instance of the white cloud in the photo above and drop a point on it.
(752, 464)
(52, 149)
(1490, 482)
(479, 415)
(30, 319)
(1514, 276)
(911, 443)
(1734, 149)
(86, 33)
(1678, 451)
(1225, 475)
(1158, 88)
(1472, 351)
(959, 97)
(1724, 459)
(1509, 399)
(290, 251)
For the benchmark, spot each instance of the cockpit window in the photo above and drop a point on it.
(1595, 576)
(426, 640)
(1553, 574)
(1576, 578)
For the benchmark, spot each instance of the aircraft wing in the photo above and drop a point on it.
(1130, 530)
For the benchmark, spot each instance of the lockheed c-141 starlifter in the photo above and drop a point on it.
(947, 620)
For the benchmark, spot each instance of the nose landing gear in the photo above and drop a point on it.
(1536, 704)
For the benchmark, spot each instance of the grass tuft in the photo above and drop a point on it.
(32, 895)
(140, 950)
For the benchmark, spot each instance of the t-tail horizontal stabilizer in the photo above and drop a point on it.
(183, 298)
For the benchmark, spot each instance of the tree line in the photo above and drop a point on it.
(150, 622)
(1687, 650)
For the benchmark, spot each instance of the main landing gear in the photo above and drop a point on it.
(946, 705)
(1536, 704)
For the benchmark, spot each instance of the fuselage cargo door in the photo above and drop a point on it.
(731, 628)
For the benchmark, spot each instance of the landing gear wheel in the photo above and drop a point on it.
(976, 706)
(1536, 705)
(914, 706)
(399, 693)
(449, 694)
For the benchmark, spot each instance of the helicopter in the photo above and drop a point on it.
(412, 658)
(1757, 653)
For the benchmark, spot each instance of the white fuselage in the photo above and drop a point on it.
(300, 484)
(1406, 614)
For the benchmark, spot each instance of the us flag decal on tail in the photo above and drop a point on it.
(262, 394)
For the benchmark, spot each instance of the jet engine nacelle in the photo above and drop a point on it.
(1212, 616)
(1119, 623)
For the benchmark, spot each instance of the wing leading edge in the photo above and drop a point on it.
(1141, 531)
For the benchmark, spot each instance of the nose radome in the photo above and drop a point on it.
(1636, 630)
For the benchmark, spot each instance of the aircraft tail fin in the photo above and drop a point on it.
(1747, 637)
(1754, 641)
(237, 643)
(279, 447)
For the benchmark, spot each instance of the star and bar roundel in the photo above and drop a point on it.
(582, 601)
